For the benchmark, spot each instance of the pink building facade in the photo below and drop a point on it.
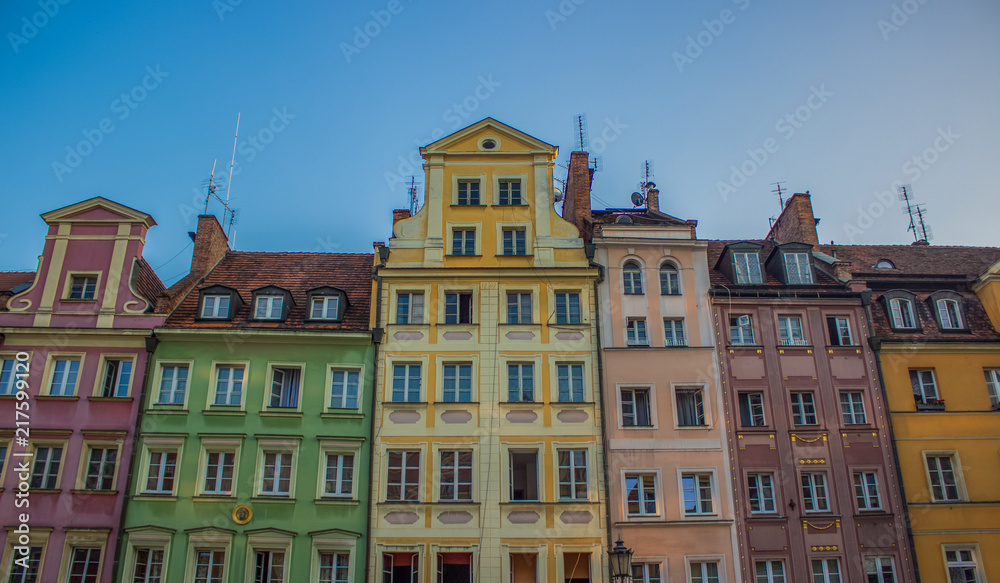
(81, 328)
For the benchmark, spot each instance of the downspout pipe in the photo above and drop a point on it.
(600, 390)
(376, 341)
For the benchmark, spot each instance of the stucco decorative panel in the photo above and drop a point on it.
(576, 517)
(569, 335)
(455, 517)
(404, 416)
(523, 517)
(521, 416)
(877, 533)
(520, 335)
(456, 416)
(572, 416)
(456, 335)
(847, 367)
(798, 366)
(748, 367)
(768, 537)
(409, 335)
(402, 517)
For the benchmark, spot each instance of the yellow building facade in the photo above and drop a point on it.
(487, 459)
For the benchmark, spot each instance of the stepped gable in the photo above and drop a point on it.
(298, 273)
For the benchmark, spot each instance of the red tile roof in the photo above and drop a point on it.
(146, 282)
(296, 272)
(12, 279)
(916, 260)
(716, 277)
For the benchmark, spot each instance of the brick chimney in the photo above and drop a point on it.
(400, 214)
(210, 245)
(796, 224)
(576, 201)
(652, 198)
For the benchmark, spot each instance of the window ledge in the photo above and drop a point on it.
(514, 255)
(45, 491)
(405, 404)
(928, 407)
(224, 412)
(341, 415)
(456, 324)
(749, 346)
(525, 403)
(457, 502)
(456, 402)
(572, 403)
(274, 499)
(6, 397)
(465, 255)
(95, 492)
(755, 429)
(331, 501)
(57, 398)
(637, 427)
(153, 497)
(214, 498)
(875, 513)
(523, 204)
(79, 300)
(402, 502)
(786, 346)
(166, 410)
(472, 205)
(276, 413)
(111, 399)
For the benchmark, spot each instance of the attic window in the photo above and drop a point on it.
(215, 306)
(83, 287)
(324, 308)
(489, 144)
(747, 268)
(268, 307)
(884, 264)
(797, 268)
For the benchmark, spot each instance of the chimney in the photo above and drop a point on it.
(210, 245)
(796, 223)
(400, 214)
(576, 204)
(653, 198)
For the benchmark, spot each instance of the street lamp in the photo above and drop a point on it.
(621, 563)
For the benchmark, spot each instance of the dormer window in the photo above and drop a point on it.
(884, 264)
(268, 307)
(326, 303)
(902, 309)
(83, 287)
(947, 307)
(215, 306)
(747, 266)
(797, 268)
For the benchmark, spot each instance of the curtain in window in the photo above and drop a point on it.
(688, 408)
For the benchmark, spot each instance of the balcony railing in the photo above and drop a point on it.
(793, 342)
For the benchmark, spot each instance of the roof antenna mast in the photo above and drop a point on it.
(412, 193)
(780, 193)
(211, 186)
(231, 164)
(921, 232)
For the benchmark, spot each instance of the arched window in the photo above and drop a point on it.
(949, 314)
(670, 283)
(902, 313)
(632, 275)
(884, 264)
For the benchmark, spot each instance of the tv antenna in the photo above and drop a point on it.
(412, 193)
(596, 163)
(582, 143)
(780, 193)
(212, 186)
(646, 175)
(916, 212)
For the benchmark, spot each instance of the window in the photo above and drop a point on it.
(747, 268)
(457, 383)
(510, 192)
(902, 313)
(826, 571)
(803, 409)
(64, 377)
(752, 409)
(173, 385)
(866, 491)
(268, 307)
(646, 573)
(148, 566)
(45, 473)
(468, 192)
(8, 378)
(576, 567)
(740, 330)
(101, 469)
(572, 474)
(521, 383)
(463, 242)
(456, 475)
(944, 486)
(117, 374)
(209, 566)
(524, 475)
(269, 567)
(403, 479)
(950, 314)
(852, 406)
(285, 388)
(570, 378)
(219, 472)
(410, 308)
(83, 287)
(518, 308)
(567, 308)
(697, 494)
(690, 408)
(797, 268)
(962, 567)
(840, 331)
(458, 308)
(632, 275)
(673, 332)
(640, 495)
(344, 389)
(215, 306)
(761, 488)
(884, 264)
(334, 567)
(161, 472)
(513, 242)
(325, 308)
(635, 332)
(454, 568)
(924, 388)
(406, 383)
(993, 385)
(770, 571)
(84, 566)
(27, 571)
(400, 568)
(523, 567)
(635, 408)
(229, 385)
(339, 479)
(705, 572)
(790, 331)
(277, 475)
(814, 492)
(669, 280)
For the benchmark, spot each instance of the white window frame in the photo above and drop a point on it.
(650, 406)
(900, 309)
(934, 470)
(635, 332)
(65, 389)
(703, 416)
(106, 362)
(670, 279)
(174, 383)
(521, 382)
(214, 386)
(71, 279)
(815, 492)
(567, 312)
(415, 310)
(83, 474)
(216, 312)
(468, 181)
(920, 384)
(272, 368)
(975, 561)
(769, 575)
(764, 494)
(801, 405)
(632, 278)
(825, 573)
(703, 576)
(750, 262)
(867, 489)
(341, 449)
(741, 334)
(209, 539)
(508, 469)
(841, 324)
(573, 483)
(799, 269)
(332, 403)
(459, 313)
(218, 446)
(751, 406)
(992, 376)
(463, 240)
(518, 241)
(501, 182)
(47, 468)
(698, 474)
(949, 314)
(408, 381)
(456, 482)
(164, 448)
(289, 457)
(270, 304)
(791, 332)
(406, 465)
(641, 475)
(458, 378)
(150, 538)
(522, 314)
(332, 542)
(325, 303)
(572, 368)
(644, 565)
(671, 327)
(849, 410)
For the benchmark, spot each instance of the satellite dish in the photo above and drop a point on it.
(557, 195)
(637, 199)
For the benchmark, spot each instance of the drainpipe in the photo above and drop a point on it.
(600, 390)
(376, 340)
(151, 342)
(876, 346)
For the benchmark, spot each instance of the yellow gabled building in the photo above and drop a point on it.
(488, 461)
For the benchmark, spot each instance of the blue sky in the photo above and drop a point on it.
(134, 101)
